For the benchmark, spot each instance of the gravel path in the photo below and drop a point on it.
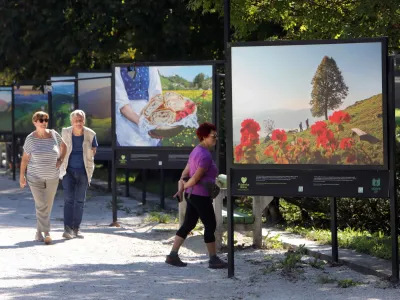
(128, 262)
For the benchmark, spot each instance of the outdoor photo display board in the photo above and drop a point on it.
(309, 119)
(157, 111)
(94, 98)
(6, 94)
(27, 100)
(62, 99)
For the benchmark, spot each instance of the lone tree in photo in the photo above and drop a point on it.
(329, 89)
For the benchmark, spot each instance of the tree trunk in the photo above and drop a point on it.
(326, 114)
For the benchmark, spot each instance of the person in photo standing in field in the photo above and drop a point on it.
(201, 170)
(44, 152)
(76, 171)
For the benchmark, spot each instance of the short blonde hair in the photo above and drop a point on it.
(39, 115)
(76, 113)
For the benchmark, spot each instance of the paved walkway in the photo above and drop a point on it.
(128, 262)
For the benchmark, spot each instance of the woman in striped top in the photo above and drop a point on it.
(44, 151)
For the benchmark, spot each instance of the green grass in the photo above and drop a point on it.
(160, 217)
(345, 283)
(376, 244)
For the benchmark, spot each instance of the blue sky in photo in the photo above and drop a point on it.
(85, 86)
(279, 77)
(187, 72)
(6, 94)
(63, 87)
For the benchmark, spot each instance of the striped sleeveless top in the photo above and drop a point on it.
(43, 156)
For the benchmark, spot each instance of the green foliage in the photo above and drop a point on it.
(376, 244)
(329, 88)
(345, 283)
(160, 217)
(272, 242)
(95, 35)
(310, 20)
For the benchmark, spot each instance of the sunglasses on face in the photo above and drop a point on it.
(43, 120)
(215, 136)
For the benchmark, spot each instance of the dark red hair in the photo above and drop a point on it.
(204, 130)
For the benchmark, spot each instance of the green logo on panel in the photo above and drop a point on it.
(376, 182)
(376, 185)
(243, 185)
(122, 160)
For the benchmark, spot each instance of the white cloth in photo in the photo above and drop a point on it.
(128, 133)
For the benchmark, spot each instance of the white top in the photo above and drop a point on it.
(43, 156)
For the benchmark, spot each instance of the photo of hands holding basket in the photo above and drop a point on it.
(162, 106)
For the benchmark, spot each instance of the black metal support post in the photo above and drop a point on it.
(335, 245)
(162, 189)
(144, 179)
(114, 190)
(126, 182)
(394, 218)
(109, 172)
(14, 157)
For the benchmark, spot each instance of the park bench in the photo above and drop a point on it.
(242, 222)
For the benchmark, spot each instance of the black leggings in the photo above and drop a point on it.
(199, 206)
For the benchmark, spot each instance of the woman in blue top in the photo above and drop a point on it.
(134, 87)
(76, 171)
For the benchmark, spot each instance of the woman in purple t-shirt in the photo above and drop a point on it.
(201, 170)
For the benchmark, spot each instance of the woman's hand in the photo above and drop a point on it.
(22, 181)
(58, 163)
(179, 193)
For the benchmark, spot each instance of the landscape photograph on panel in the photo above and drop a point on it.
(308, 104)
(62, 98)
(94, 98)
(5, 108)
(28, 99)
(162, 106)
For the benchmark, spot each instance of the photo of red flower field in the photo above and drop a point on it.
(332, 114)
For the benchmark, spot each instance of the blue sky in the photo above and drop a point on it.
(61, 83)
(6, 95)
(187, 72)
(90, 85)
(279, 77)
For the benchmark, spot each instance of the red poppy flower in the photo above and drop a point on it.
(318, 128)
(269, 151)
(250, 125)
(338, 117)
(279, 135)
(346, 143)
(239, 153)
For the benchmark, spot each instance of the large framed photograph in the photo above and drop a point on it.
(6, 95)
(28, 99)
(161, 105)
(309, 104)
(94, 98)
(62, 101)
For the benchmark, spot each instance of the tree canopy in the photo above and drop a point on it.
(329, 88)
(41, 38)
(315, 19)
